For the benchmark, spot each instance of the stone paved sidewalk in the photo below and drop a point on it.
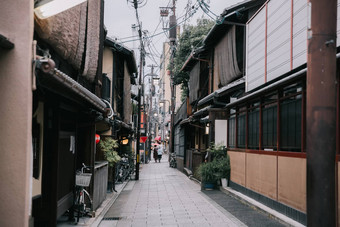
(163, 196)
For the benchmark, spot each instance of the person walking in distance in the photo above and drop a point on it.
(160, 150)
(155, 152)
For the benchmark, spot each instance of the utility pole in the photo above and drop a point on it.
(173, 36)
(321, 113)
(150, 113)
(141, 65)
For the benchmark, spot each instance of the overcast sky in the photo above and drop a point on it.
(120, 16)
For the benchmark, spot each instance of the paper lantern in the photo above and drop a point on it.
(97, 138)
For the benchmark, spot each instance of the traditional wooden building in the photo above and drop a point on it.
(119, 75)
(67, 106)
(217, 76)
(263, 101)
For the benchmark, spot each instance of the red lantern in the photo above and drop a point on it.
(97, 138)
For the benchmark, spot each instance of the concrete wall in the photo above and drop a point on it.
(16, 23)
(282, 179)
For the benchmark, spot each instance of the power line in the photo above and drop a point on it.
(194, 10)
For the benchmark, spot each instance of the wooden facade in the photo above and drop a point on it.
(263, 110)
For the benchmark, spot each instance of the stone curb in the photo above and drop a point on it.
(102, 210)
(259, 206)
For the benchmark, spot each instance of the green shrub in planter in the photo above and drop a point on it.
(219, 167)
(109, 147)
(207, 172)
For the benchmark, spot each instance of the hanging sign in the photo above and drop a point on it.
(143, 139)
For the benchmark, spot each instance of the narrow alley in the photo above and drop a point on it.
(164, 196)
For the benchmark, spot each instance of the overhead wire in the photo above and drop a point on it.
(189, 12)
(168, 29)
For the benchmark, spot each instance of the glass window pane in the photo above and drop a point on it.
(231, 131)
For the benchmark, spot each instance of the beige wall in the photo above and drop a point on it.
(292, 182)
(108, 65)
(36, 184)
(164, 78)
(262, 174)
(107, 62)
(108, 69)
(279, 178)
(16, 23)
(238, 167)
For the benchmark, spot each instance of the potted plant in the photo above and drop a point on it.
(109, 146)
(206, 171)
(223, 169)
(217, 169)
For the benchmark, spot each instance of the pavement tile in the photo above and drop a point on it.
(137, 224)
(154, 223)
(164, 196)
(184, 220)
(123, 224)
(169, 222)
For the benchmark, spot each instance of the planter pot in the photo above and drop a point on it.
(224, 182)
(209, 186)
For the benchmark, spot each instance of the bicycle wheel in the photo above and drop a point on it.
(78, 204)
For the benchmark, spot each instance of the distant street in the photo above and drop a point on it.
(166, 197)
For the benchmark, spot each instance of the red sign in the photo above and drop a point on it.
(143, 139)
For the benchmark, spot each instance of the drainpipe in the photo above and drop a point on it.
(321, 113)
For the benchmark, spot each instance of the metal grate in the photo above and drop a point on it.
(112, 218)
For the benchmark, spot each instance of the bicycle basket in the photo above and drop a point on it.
(83, 179)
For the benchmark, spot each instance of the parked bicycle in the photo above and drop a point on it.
(173, 161)
(83, 201)
(123, 170)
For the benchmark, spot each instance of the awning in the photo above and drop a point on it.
(204, 120)
(64, 85)
(123, 125)
(271, 86)
(202, 112)
(185, 121)
(222, 91)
